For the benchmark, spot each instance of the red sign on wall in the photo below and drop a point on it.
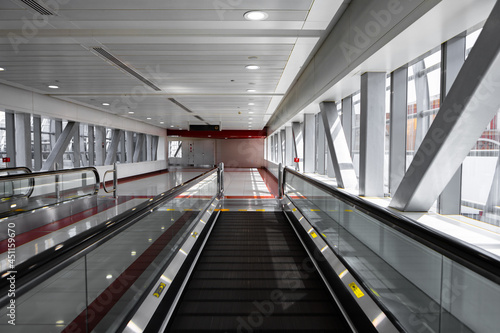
(6, 159)
(296, 160)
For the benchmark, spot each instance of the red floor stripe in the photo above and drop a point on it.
(249, 197)
(44, 230)
(98, 309)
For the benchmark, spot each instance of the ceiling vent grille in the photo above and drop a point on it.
(180, 105)
(102, 52)
(39, 8)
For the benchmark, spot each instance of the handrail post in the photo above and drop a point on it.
(115, 179)
(280, 181)
(220, 178)
(58, 189)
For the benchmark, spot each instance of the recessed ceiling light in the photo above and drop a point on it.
(131, 112)
(148, 118)
(105, 104)
(53, 87)
(109, 276)
(251, 112)
(2, 69)
(162, 122)
(255, 15)
(172, 126)
(252, 67)
(251, 103)
(251, 90)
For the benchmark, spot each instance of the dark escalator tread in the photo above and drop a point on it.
(258, 322)
(254, 276)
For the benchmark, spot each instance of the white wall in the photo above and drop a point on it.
(16, 99)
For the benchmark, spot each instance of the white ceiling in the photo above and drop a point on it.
(195, 51)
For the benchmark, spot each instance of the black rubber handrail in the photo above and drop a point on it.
(35, 175)
(26, 169)
(470, 256)
(42, 266)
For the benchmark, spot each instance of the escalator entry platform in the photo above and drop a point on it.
(254, 275)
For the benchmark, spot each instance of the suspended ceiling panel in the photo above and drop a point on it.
(194, 52)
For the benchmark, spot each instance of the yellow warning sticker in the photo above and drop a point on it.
(315, 210)
(349, 210)
(356, 290)
(159, 290)
(294, 209)
(194, 234)
(242, 210)
(170, 209)
(260, 210)
(314, 235)
(224, 210)
(323, 235)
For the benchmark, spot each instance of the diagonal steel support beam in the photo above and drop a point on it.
(138, 148)
(337, 145)
(113, 147)
(60, 146)
(471, 103)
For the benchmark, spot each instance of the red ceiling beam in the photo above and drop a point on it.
(224, 134)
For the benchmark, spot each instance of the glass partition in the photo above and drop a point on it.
(24, 192)
(425, 290)
(95, 293)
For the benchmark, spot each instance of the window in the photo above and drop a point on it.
(175, 149)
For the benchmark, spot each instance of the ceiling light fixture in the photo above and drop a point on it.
(2, 69)
(148, 118)
(105, 104)
(251, 90)
(251, 112)
(251, 103)
(162, 122)
(252, 67)
(255, 15)
(53, 87)
(131, 112)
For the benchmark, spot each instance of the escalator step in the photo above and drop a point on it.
(253, 275)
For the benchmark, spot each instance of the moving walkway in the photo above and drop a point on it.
(325, 261)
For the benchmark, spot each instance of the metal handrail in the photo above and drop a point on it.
(114, 171)
(470, 256)
(42, 266)
(26, 169)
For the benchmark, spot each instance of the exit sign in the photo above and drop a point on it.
(6, 159)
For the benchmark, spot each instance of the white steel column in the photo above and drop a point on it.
(76, 148)
(320, 146)
(37, 143)
(10, 138)
(397, 147)
(289, 146)
(372, 134)
(23, 139)
(347, 120)
(298, 140)
(452, 60)
(100, 145)
(91, 144)
(309, 143)
(129, 146)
